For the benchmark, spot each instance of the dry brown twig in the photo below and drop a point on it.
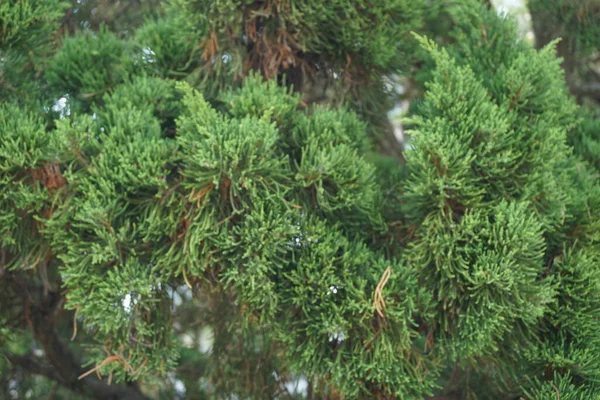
(378, 301)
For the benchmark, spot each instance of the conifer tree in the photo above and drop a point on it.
(210, 206)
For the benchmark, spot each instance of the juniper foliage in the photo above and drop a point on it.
(161, 194)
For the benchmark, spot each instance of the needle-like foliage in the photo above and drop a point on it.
(176, 205)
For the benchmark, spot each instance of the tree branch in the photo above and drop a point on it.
(61, 364)
(32, 365)
(67, 366)
(588, 89)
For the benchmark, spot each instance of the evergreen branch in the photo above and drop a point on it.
(68, 368)
(64, 367)
(60, 373)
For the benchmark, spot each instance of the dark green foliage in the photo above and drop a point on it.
(118, 16)
(28, 24)
(484, 191)
(564, 387)
(577, 25)
(576, 21)
(89, 64)
(164, 48)
(25, 152)
(370, 33)
(27, 29)
(158, 97)
(223, 203)
(586, 138)
(331, 52)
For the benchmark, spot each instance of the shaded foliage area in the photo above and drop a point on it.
(120, 16)
(578, 24)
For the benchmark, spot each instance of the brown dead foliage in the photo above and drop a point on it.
(49, 176)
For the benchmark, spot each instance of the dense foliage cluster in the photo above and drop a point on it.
(179, 206)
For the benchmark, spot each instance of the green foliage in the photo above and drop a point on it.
(222, 202)
(495, 256)
(198, 219)
(562, 387)
(586, 138)
(260, 98)
(333, 330)
(156, 96)
(371, 31)
(27, 28)
(163, 48)
(118, 16)
(89, 64)
(127, 304)
(25, 152)
(335, 52)
(493, 200)
(27, 24)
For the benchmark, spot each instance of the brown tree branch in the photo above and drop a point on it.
(61, 365)
(67, 366)
(92, 387)
(32, 365)
(588, 89)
